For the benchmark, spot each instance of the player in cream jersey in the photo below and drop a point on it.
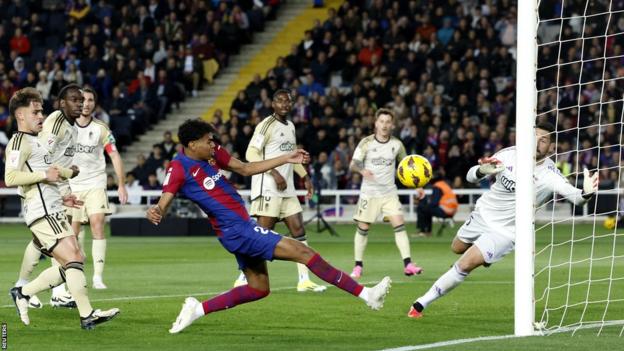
(273, 193)
(489, 234)
(375, 158)
(58, 134)
(29, 167)
(93, 139)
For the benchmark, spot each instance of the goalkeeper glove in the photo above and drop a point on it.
(489, 166)
(590, 183)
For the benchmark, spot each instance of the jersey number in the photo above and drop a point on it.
(263, 231)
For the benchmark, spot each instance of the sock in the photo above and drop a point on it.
(360, 241)
(402, 242)
(81, 240)
(77, 284)
(364, 294)
(98, 251)
(301, 268)
(29, 262)
(447, 282)
(407, 261)
(234, 297)
(359, 263)
(60, 289)
(47, 279)
(333, 276)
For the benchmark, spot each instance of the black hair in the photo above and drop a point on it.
(547, 126)
(66, 89)
(193, 129)
(282, 91)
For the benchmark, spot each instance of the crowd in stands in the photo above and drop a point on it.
(447, 70)
(141, 56)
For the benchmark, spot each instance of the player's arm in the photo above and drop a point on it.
(251, 168)
(401, 154)
(577, 196)
(155, 213)
(488, 166)
(17, 155)
(111, 149)
(357, 162)
(301, 172)
(52, 131)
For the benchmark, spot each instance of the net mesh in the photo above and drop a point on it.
(579, 263)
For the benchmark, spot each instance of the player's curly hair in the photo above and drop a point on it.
(23, 98)
(66, 89)
(193, 129)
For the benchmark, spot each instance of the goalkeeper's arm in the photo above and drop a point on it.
(487, 166)
(577, 196)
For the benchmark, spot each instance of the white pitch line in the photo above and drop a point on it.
(150, 297)
(451, 342)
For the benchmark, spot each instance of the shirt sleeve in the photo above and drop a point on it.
(222, 156)
(360, 151)
(559, 185)
(18, 152)
(174, 179)
(108, 140)
(401, 154)
(260, 137)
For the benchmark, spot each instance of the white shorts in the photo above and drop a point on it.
(492, 243)
(275, 206)
(95, 201)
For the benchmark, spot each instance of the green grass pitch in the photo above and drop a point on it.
(148, 279)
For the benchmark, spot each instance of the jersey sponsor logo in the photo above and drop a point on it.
(47, 159)
(210, 182)
(380, 161)
(508, 184)
(87, 149)
(287, 146)
(70, 151)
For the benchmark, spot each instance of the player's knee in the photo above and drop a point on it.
(74, 265)
(362, 231)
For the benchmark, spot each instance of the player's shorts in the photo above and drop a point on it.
(95, 201)
(369, 208)
(275, 206)
(250, 243)
(493, 244)
(48, 230)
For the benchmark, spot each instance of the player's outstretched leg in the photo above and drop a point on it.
(448, 281)
(258, 288)
(360, 240)
(30, 260)
(292, 250)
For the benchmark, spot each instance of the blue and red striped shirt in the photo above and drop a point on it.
(204, 183)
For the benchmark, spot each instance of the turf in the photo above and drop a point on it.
(149, 278)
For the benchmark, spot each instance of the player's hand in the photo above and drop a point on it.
(280, 182)
(122, 193)
(53, 174)
(154, 214)
(590, 183)
(309, 187)
(299, 156)
(368, 175)
(420, 193)
(72, 201)
(490, 165)
(75, 171)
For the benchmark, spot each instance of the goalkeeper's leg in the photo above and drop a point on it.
(449, 280)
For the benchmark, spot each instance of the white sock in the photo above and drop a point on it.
(364, 294)
(302, 269)
(98, 251)
(402, 241)
(21, 282)
(359, 244)
(447, 282)
(59, 290)
(29, 261)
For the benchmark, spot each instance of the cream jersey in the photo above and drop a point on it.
(273, 138)
(28, 157)
(91, 141)
(497, 206)
(59, 135)
(380, 158)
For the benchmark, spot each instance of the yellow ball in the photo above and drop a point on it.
(414, 171)
(609, 222)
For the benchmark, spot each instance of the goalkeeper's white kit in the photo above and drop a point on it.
(495, 212)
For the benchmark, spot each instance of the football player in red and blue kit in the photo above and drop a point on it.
(197, 174)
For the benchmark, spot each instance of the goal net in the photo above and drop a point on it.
(579, 263)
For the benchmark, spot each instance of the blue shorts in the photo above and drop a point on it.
(250, 243)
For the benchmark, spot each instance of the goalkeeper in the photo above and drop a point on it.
(489, 233)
